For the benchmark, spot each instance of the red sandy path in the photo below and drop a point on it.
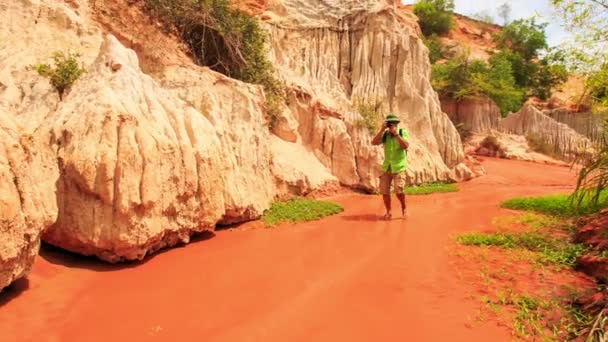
(346, 278)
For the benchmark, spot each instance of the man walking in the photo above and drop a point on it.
(395, 144)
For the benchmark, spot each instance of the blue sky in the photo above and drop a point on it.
(519, 9)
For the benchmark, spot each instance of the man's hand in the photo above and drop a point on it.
(378, 138)
(393, 130)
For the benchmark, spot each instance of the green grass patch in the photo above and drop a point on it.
(299, 210)
(530, 219)
(533, 315)
(430, 188)
(549, 250)
(558, 205)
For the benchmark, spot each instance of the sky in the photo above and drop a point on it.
(519, 9)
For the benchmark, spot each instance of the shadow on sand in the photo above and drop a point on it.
(58, 256)
(13, 290)
(364, 217)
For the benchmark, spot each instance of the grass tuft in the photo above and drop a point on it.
(299, 210)
(557, 205)
(430, 188)
(550, 250)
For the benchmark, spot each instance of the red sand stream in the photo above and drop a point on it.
(350, 277)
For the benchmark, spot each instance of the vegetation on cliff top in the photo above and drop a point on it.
(224, 39)
(512, 74)
(435, 16)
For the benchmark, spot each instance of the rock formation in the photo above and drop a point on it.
(477, 115)
(141, 158)
(337, 54)
(560, 137)
(27, 202)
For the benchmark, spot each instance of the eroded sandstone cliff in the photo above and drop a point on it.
(140, 158)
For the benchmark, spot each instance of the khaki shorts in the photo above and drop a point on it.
(398, 180)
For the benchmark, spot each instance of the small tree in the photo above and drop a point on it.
(435, 16)
(484, 16)
(65, 71)
(523, 36)
(504, 11)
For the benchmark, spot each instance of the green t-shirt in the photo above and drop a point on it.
(395, 156)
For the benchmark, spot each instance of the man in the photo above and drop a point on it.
(395, 162)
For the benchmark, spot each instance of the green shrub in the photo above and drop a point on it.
(299, 210)
(370, 116)
(65, 71)
(435, 48)
(435, 16)
(523, 36)
(520, 43)
(224, 39)
(461, 78)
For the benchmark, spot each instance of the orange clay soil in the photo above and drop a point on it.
(350, 277)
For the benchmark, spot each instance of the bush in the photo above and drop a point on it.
(64, 73)
(597, 86)
(523, 36)
(492, 146)
(224, 39)
(461, 78)
(370, 116)
(435, 16)
(435, 48)
(520, 43)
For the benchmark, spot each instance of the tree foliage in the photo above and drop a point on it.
(435, 48)
(523, 36)
(587, 21)
(461, 78)
(504, 12)
(224, 39)
(435, 16)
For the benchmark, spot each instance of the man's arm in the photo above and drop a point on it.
(404, 144)
(378, 138)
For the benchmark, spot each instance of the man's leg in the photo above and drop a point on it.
(400, 190)
(385, 190)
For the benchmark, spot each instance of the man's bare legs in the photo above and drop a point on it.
(387, 206)
(401, 198)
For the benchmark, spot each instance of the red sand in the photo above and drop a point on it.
(350, 277)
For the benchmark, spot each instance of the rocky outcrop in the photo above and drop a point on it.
(142, 162)
(529, 121)
(586, 123)
(27, 201)
(336, 54)
(509, 146)
(142, 169)
(477, 115)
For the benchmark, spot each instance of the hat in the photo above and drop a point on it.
(392, 118)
